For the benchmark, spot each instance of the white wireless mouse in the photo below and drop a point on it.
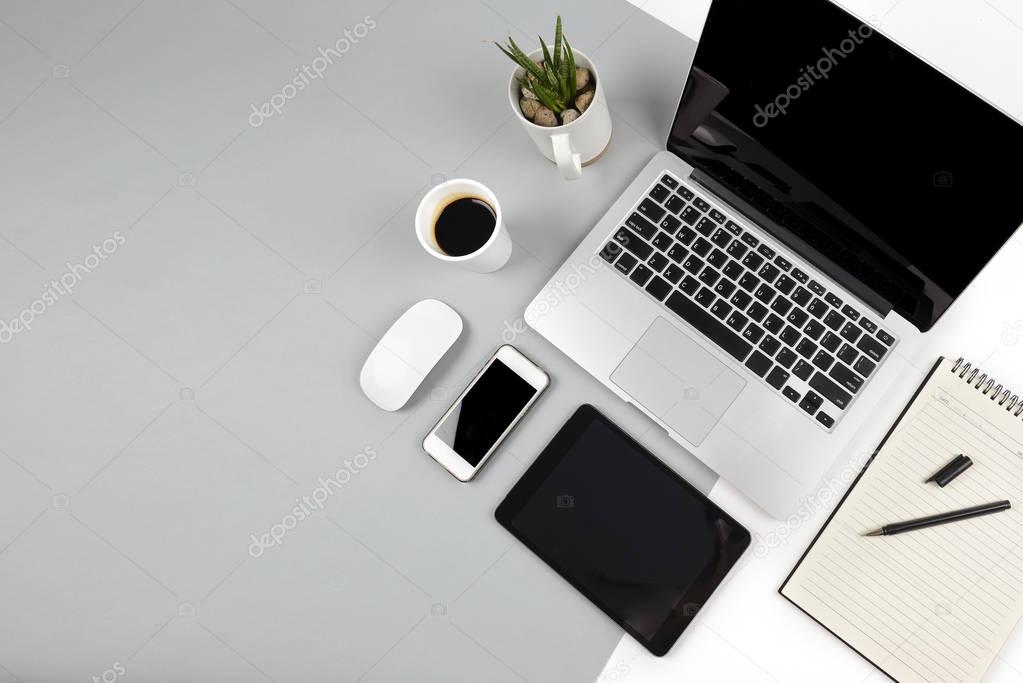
(404, 356)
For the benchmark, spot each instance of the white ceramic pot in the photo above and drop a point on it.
(574, 145)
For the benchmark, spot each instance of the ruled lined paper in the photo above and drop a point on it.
(934, 604)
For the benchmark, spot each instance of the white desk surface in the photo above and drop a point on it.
(750, 633)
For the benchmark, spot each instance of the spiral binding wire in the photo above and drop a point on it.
(987, 386)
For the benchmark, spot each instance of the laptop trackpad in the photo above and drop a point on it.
(678, 381)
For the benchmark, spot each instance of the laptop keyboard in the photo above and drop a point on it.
(751, 298)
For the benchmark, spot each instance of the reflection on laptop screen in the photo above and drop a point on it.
(852, 148)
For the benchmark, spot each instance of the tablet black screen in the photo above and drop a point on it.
(623, 528)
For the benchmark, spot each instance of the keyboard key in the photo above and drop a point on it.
(871, 348)
(781, 305)
(829, 390)
(677, 253)
(847, 354)
(633, 243)
(753, 260)
(823, 360)
(833, 300)
(758, 363)
(673, 274)
(790, 335)
(785, 284)
(610, 251)
(766, 251)
(850, 312)
(817, 308)
(757, 311)
(864, 366)
(786, 357)
(733, 270)
(724, 288)
(670, 224)
(783, 263)
(651, 209)
(801, 296)
(868, 326)
(690, 285)
(797, 317)
(686, 235)
(811, 402)
(689, 215)
(657, 262)
(685, 192)
(803, 370)
(774, 324)
(700, 203)
(641, 275)
(753, 333)
(834, 320)
(669, 182)
(791, 394)
(764, 293)
(831, 342)
(662, 241)
(749, 281)
(737, 249)
(702, 247)
(734, 228)
(709, 276)
(846, 378)
(693, 264)
(750, 240)
(717, 258)
(813, 330)
(816, 287)
(625, 263)
(716, 216)
(674, 204)
(741, 299)
(720, 309)
(777, 377)
(806, 348)
(658, 288)
(704, 297)
(660, 192)
(705, 227)
(825, 419)
(768, 272)
(709, 326)
(770, 346)
(737, 321)
(721, 237)
(885, 338)
(641, 225)
(851, 332)
(800, 275)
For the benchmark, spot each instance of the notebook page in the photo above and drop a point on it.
(933, 604)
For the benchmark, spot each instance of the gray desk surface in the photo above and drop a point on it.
(202, 376)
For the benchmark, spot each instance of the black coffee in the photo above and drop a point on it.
(464, 225)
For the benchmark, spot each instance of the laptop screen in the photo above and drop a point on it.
(886, 174)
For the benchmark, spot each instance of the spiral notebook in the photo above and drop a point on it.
(933, 604)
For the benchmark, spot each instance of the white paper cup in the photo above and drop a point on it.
(488, 258)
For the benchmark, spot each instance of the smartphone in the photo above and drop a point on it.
(485, 413)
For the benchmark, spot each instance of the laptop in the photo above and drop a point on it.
(824, 195)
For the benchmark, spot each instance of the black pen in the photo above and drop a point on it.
(943, 518)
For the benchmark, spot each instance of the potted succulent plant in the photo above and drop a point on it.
(558, 97)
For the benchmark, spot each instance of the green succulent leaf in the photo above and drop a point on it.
(570, 62)
(546, 53)
(557, 44)
(549, 98)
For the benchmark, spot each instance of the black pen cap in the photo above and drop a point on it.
(959, 464)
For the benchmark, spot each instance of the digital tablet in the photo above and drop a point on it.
(635, 538)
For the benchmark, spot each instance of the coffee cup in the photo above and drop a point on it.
(459, 221)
